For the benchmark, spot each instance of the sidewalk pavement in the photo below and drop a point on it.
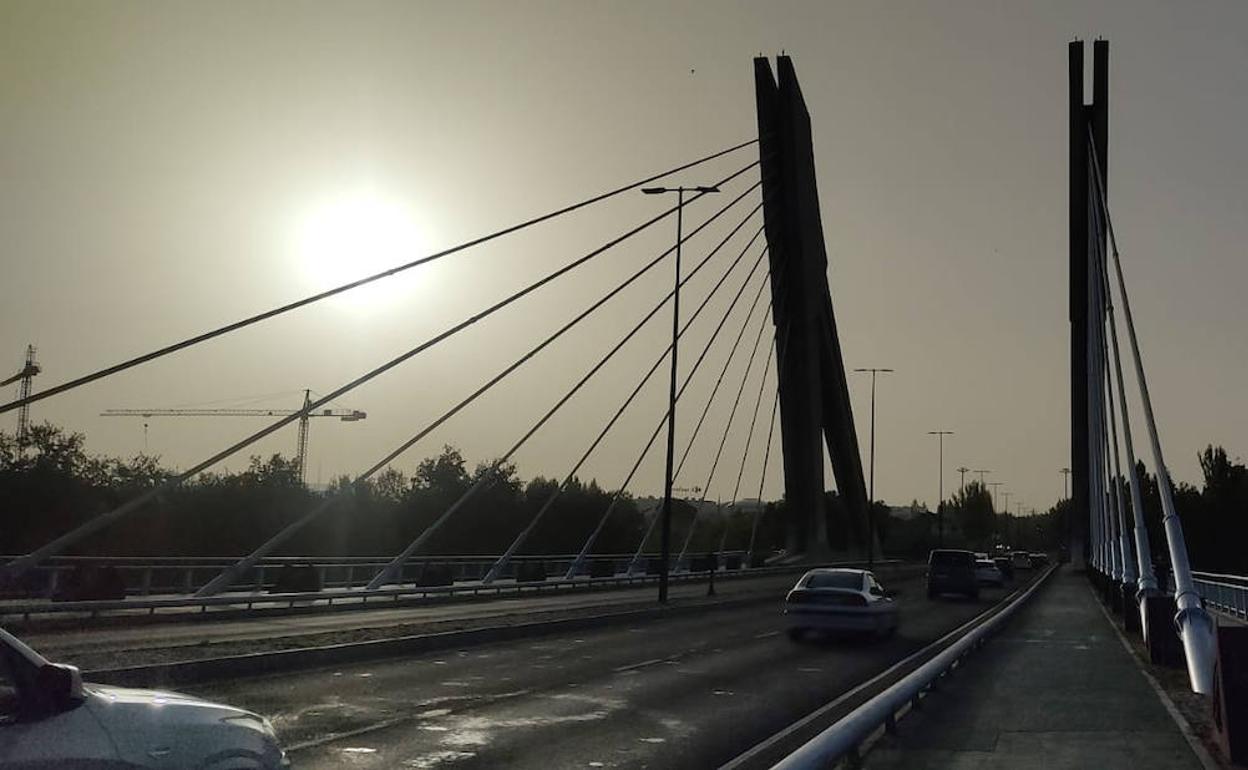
(1054, 689)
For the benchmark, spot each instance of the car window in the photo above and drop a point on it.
(951, 558)
(850, 580)
(874, 586)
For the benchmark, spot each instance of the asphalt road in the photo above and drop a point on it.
(682, 692)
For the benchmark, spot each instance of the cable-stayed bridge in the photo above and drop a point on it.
(752, 312)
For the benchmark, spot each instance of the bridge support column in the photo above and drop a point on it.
(814, 394)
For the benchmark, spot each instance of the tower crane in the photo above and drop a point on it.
(345, 415)
(28, 372)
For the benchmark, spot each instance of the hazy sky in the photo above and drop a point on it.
(168, 167)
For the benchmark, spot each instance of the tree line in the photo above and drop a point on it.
(1214, 517)
(51, 484)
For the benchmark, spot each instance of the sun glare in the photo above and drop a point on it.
(347, 238)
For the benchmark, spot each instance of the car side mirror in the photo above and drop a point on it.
(60, 687)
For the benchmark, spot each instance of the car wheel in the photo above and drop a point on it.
(795, 634)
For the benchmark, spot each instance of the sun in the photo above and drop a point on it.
(348, 237)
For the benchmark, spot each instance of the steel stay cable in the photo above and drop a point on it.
(749, 437)
(1146, 577)
(22, 563)
(723, 440)
(487, 477)
(718, 382)
(1194, 622)
(762, 477)
(406, 445)
(1127, 571)
(231, 573)
(663, 421)
(688, 377)
(519, 539)
(236, 325)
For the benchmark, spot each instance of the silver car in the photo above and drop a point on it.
(988, 574)
(840, 600)
(49, 718)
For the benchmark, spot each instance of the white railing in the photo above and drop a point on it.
(1226, 594)
(360, 598)
(176, 575)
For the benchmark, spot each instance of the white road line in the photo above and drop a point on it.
(642, 664)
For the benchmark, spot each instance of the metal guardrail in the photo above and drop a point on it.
(1226, 594)
(342, 598)
(146, 576)
(844, 738)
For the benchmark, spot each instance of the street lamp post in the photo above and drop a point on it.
(871, 488)
(1065, 482)
(940, 502)
(665, 547)
(981, 473)
(962, 480)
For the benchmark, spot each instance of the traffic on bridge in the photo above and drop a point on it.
(610, 299)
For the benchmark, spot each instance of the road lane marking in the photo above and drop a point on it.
(642, 664)
(766, 634)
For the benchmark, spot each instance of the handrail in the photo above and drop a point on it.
(142, 561)
(847, 734)
(363, 597)
(1218, 593)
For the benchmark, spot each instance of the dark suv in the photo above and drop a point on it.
(951, 572)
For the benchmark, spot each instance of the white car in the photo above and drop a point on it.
(840, 600)
(49, 718)
(987, 573)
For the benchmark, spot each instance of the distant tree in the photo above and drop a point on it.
(972, 509)
(444, 474)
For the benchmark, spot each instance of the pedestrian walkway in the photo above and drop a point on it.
(1054, 689)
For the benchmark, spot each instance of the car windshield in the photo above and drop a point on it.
(984, 563)
(850, 580)
(950, 558)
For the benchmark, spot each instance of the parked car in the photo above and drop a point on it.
(840, 600)
(987, 574)
(1020, 560)
(1038, 560)
(49, 718)
(1003, 564)
(951, 571)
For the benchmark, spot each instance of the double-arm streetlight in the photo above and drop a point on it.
(962, 482)
(940, 503)
(665, 547)
(871, 488)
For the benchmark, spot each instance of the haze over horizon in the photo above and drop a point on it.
(170, 168)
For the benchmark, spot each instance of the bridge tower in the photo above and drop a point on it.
(814, 394)
(1084, 119)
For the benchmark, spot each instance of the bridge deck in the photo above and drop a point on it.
(1056, 689)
